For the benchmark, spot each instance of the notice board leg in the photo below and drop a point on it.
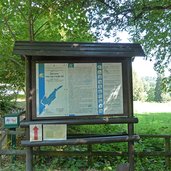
(131, 148)
(13, 144)
(89, 147)
(29, 159)
(131, 155)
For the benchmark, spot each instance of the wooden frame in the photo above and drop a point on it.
(74, 52)
(125, 91)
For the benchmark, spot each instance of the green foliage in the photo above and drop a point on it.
(9, 166)
(158, 91)
(148, 22)
(160, 123)
(149, 87)
(139, 93)
(7, 98)
(37, 20)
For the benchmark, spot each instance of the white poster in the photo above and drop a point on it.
(74, 89)
(60, 132)
(81, 89)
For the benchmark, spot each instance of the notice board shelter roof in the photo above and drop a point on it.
(53, 50)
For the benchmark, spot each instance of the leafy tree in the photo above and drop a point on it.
(149, 87)
(139, 93)
(36, 20)
(147, 21)
(39, 20)
(158, 90)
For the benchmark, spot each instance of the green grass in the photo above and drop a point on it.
(153, 123)
(149, 123)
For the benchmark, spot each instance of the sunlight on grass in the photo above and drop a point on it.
(153, 123)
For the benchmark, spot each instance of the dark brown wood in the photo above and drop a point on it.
(12, 152)
(76, 141)
(89, 149)
(167, 149)
(77, 49)
(79, 153)
(103, 120)
(76, 52)
(153, 154)
(29, 150)
(125, 83)
(155, 136)
(102, 153)
(130, 114)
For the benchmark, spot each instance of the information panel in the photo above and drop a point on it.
(77, 89)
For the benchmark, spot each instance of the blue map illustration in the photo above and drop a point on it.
(48, 100)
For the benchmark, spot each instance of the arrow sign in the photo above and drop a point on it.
(35, 129)
(36, 132)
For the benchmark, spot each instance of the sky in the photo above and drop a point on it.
(140, 65)
(143, 67)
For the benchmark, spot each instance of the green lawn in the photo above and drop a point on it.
(149, 123)
(153, 123)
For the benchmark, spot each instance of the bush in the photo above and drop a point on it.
(8, 97)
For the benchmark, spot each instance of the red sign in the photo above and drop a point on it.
(35, 129)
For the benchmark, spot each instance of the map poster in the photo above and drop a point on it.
(77, 89)
(51, 89)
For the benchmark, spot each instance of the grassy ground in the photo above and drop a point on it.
(153, 123)
(154, 118)
(150, 122)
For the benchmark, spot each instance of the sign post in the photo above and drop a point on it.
(36, 132)
(74, 84)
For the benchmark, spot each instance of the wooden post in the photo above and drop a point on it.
(89, 148)
(130, 115)
(131, 149)
(13, 143)
(167, 149)
(29, 159)
(1, 149)
(29, 150)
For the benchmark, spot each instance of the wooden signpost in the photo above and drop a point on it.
(75, 84)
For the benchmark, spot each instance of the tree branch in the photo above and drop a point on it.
(37, 31)
(9, 28)
(131, 10)
(22, 13)
(106, 4)
(41, 31)
(150, 8)
(30, 22)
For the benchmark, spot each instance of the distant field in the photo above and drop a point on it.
(146, 107)
(154, 118)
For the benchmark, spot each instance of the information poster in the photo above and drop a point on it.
(77, 89)
(59, 133)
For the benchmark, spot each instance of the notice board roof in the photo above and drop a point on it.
(77, 49)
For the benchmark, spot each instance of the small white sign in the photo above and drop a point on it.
(36, 132)
(11, 120)
(54, 132)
